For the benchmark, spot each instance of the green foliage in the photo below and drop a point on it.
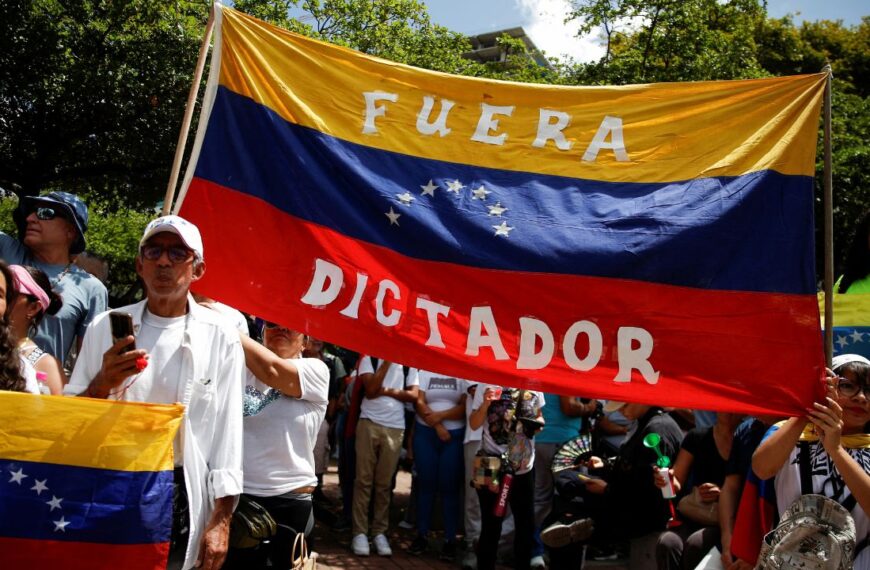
(671, 40)
(92, 93)
(113, 234)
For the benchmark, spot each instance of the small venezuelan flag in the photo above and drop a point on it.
(85, 484)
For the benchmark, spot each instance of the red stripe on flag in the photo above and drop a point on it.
(724, 350)
(56, 554)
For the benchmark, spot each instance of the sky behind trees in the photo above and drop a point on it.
(543, 20)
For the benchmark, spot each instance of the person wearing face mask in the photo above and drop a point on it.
(284, 406)
(839, 449)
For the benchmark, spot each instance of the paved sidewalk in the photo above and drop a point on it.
(334, 551)
(334, 547)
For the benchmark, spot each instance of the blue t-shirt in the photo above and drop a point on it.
(84, 297)
(558, 428)
(747, 437)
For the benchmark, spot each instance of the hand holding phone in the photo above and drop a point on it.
(122, 327)
(121, 360)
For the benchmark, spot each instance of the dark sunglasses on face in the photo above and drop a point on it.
(176, 253)
(850, 389)
(45, 213)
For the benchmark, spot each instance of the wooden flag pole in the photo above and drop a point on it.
(829, 225)
(188, 115)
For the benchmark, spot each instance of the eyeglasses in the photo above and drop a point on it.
(45, 213)
(850, 389)
(176, 253)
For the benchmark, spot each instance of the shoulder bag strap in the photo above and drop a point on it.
(805, 468)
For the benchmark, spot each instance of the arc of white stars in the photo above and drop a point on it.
(40, 486)
(455, 186)
(497, 210)
(18, 476)
(480, 193)
(856, 336)
(429, 189)
(502, 229)
(393, 216)
(54, 503)
(405, 198)
(60, 525)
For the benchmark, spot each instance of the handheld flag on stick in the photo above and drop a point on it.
(647, 243)
(85, 484)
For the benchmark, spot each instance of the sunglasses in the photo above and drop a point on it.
(45, 213)
(850, 389)
(175, 253)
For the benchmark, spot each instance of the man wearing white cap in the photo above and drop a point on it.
(193, 357)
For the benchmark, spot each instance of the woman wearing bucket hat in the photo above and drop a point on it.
(51, 232)
(833, 438)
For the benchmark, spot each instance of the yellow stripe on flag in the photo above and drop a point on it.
(671, 131)
(851, 310)
(85, 432)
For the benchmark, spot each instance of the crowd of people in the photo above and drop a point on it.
(556, 478)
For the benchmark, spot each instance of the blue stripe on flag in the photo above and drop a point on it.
(82, 504)
(747, 233)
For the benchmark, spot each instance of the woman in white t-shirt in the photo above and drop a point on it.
(285, 403)
(839, 449)
(438, 457)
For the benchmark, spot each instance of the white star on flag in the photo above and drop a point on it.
(394, 217)
(856, 336)
(405, 198)
(480, 193)
(18, 476)
(502, 229)
(40, 486)
(60, 525)
(842, 341)
(54, 503)
(497, 210)
(429, 189)
(455, 186)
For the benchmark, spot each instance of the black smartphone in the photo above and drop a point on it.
(122, 327)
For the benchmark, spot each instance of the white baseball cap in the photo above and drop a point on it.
(188, 232)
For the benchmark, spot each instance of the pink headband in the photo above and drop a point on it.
(26, 284)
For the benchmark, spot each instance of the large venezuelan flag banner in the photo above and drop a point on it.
(650, 243)
(86, 484)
